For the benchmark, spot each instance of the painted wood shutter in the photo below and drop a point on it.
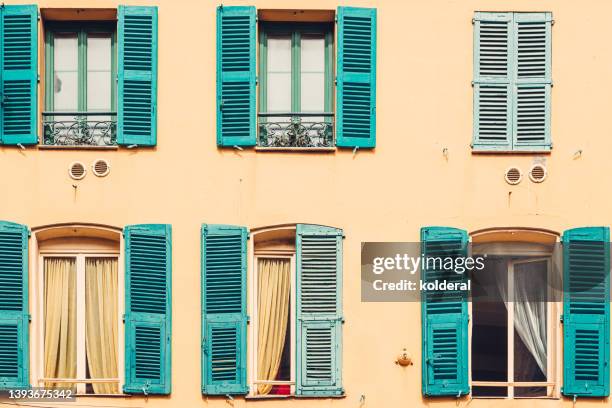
(512, 81)
(148, 308)
(14, 315)
(224, 318)
(19, 79)
(444, 316)
(356, 78)
(586, 312)
(236, 76)
(319, 311)
(137, 76)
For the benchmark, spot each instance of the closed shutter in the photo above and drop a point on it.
(236, 76)
(444, 317)
(148, 304)
(137, 76)
(19, 79)
(356, 104)
(319, 310)
(224, 318)
(14, 316)
(586, 312)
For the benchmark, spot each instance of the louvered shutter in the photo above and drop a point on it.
(236, 76)
(14, 315)
(19, 79)
(492, 81)
(444, 316)
(224, 318)
(532, 72)
(356, 103)
(319, 310)
(137, 76)
(586, 312)
(148, 299)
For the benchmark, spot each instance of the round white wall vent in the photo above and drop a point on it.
(538, 173)
(513, 175)
(100, 167)
(77, 170)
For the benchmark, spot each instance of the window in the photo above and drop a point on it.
(80, 83)
(296, 66)
(512, 81)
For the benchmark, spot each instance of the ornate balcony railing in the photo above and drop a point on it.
(80, 128)
(296, 129)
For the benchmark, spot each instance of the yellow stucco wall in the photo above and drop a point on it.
(424, 105)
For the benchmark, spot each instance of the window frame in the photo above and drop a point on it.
(83, 29)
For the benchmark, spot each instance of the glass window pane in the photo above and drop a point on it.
(312, 59)
(65, 66)
(99, 72)
(279, 73)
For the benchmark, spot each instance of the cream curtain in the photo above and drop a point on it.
(101, 322)
(60, 319)
(273, 292)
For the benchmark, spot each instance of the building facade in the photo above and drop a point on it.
(175, 173)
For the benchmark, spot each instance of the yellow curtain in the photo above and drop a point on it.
(273, 310)
(60, 320)
(101, 322)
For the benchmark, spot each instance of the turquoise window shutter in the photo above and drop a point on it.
(493, 88)
(532, 73)
(444, 317)
(356, 78)
(224, 318)
(319, 311)
(148, 308)
(236, 76)
(586, 312)
(19, 79)
(137, 76)
(14, 314)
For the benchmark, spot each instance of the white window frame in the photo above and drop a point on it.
(553, 352)
(252, 280)
(38, 317)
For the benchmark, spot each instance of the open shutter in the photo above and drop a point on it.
(492, 85)
(586, 312)
(148, 298)
(236, 109)
(14, 316)
(137, 76)
(356, 104)
(532, 70)
(19, 79)
(319, 310)
(224, 318)
(444, 316)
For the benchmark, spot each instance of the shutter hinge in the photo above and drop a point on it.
(561, 318)
(552, 22)
(38, 78)
(472, 84)
(336, 19)
(37, 16)
(248, 319)
(256, 80)
(473, 21)
(123, 317)
(336, 81)
(29, 317)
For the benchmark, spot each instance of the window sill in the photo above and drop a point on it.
(58, 147)
(103, 395)
(296, 149)
(292, 396)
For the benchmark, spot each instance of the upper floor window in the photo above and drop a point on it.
(512, 81)
(81, 91)
(296, 85)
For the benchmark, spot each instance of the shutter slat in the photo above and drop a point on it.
(137, 76)
(356, 104)
(319, 310)
(224, 310)
(236, 108)
(19, 79)
(444, 317)
(148, 270)
(586, 312)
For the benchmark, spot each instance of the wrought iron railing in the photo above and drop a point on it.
(80, 128)
(296, 129)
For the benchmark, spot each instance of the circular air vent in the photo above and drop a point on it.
(538, 173)
(77, 170)
(513, 175)
(100, 167)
